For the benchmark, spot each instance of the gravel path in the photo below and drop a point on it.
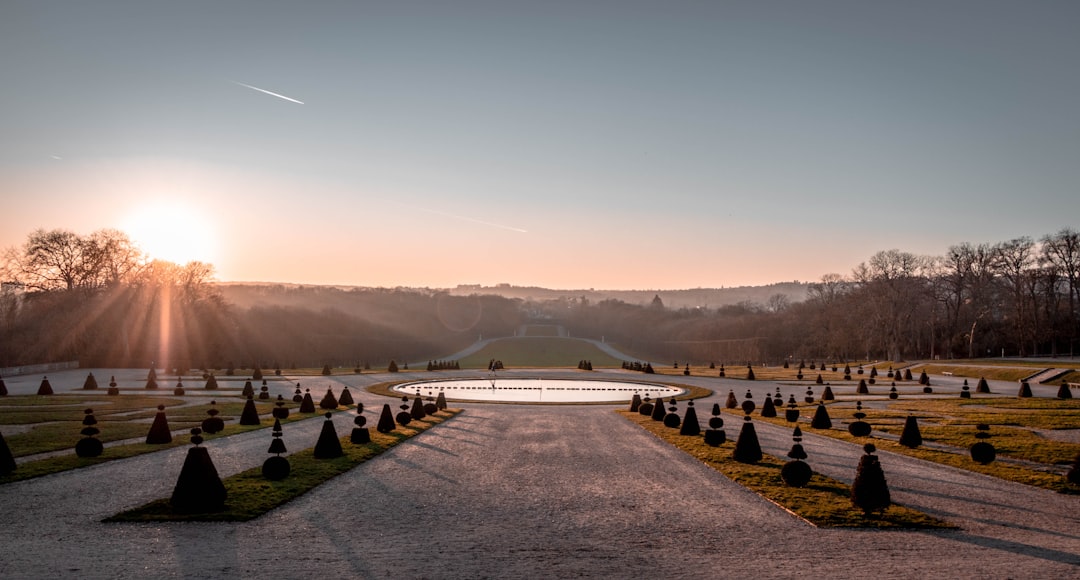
(507, 491)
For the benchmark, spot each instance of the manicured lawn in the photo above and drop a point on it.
(250, 495)
(824, 501)
(539, 352)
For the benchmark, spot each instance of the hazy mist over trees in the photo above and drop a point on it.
(98, 299)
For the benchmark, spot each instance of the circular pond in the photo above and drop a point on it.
(537, 390)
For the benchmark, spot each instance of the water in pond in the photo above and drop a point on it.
(536, 390)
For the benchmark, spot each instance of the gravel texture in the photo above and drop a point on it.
(515, 491)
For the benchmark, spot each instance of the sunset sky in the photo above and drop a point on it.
(629, 145)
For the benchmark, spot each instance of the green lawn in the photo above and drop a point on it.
(539, 352)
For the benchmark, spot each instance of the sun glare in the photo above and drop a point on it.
(172, 232)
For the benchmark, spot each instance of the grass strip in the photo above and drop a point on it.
(824, 502)
(948, 435)
(250, 495)
(51, 465)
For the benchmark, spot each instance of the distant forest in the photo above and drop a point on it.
(98, 300)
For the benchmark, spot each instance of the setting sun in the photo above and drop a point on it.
(172, 232)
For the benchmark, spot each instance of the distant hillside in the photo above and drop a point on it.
(691, 298)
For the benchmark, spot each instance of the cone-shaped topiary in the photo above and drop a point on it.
(198, 489)
(858, 427)
(307, 404)
(635, 403)
(907, 375)
(768, 408)
(870, 491)
(392, 367)
(819, 380)
(827, 394)
(924, 379)
(277, 467)
(658, 411)
(965, 391)
(983, 451)
(329, 402)
(440, 401)
(250, 415)
(7, 460)
(418, 412)
(749, 373)
(1025, 390)
(159, 431)
(45, 388)
(179, 390)
(346, 397)
(747, 447)
(257, 374)
(3, 388)
(862, 388)
(821, 418)
(89, 446)
(211, 383)
(248, 391)
(213, 423)
(1063, 390)
(690, 425)
(910, 436)
(386, 420)
(90, 383)
(731, 402)
(329, 445)
(326, 370)
(983, 386)
(151, 382)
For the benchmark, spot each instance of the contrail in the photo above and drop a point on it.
(464, 218)
(273, 94)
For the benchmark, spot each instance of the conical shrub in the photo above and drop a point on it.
(1063, 390)
(307, 405)
(248, 390)
(862, 388)
(3, 388)
(827, 394)
(690, 425)
(386, 420)
(329, 402)
(418, 412)
(659, 412)
(7, 460)
(250, 415)
(768, 408)
(159, 431)
(982, 387)
(870, 491)
(211, 383)
(199, 488)
(821, 418)
(329, 445)
(90, 383)
(45, 388)
(910, 436)
(1025, 390)
(747, 447)
(440, 401)
(731, 402)
(346, 397)
(750, 373)
(635, 403)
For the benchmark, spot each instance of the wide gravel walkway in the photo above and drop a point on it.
(507, 491)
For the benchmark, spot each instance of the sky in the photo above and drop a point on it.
(584, 144)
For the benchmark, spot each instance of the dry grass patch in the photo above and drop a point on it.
(825, 502)
(250, 495)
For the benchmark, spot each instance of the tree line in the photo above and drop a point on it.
(100, 300)
(1018, 298)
